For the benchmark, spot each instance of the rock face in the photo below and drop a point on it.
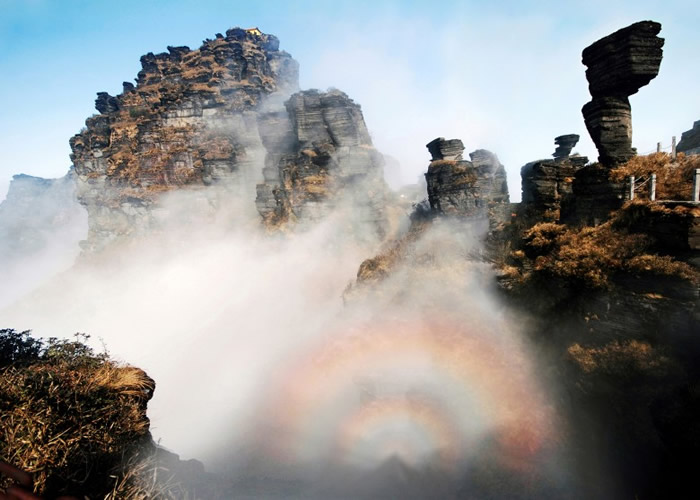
(618, 66)
(464, 188)
(190, 120)
(320, 156)
(690, 140)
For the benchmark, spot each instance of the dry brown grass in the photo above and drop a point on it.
(77, 422)
(619, 358)
(674, 180)
(593, 255)
(69, 424)
(377, 268)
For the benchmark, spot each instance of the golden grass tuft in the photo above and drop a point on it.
(619, 358)
(674, 180)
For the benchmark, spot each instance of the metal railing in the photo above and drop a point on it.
(635, 185)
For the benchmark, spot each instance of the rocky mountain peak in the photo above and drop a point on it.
(214, 115)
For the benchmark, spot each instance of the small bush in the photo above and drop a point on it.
(18, 347)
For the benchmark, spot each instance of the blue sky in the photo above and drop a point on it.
(505, 76)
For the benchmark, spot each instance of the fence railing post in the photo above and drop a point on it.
(652, 189)
(673, 148)
(696, 185)
(631, 187)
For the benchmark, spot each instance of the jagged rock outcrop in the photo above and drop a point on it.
(690, 140)
(320, 157)
(190, 120)
(464, 188)
(618, 66)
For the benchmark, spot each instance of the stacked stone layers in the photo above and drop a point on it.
(442, 149)
(464, 188)
(320, 158)
(690, 140)
(545, 184)
(618, 66)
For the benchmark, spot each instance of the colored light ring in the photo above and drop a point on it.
(413, 429)
(316, 395)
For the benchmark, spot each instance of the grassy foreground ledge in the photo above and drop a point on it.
(76, 420)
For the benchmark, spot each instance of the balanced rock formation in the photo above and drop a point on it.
(319, 157)
(565, 143)
(690, 140)
(464, 188)
(190, 120)
(618, 66)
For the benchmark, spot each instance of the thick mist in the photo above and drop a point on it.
(269, 366)
(41, 224)
(288, 378)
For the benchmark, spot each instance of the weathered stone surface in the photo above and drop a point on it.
(190, 120)
(545, 183)
(320, 157)
(565, 143)
(464, 188)
(594, 196)
(609, 122)
(618, 66)
(441, 149)
(625, 61)
(690, 140)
